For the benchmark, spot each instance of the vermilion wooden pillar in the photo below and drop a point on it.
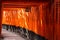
(0, 16)
(48, 21)
(57, 20)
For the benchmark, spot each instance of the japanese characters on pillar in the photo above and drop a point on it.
(0, 16)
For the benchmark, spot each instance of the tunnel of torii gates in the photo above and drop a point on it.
(49, 28)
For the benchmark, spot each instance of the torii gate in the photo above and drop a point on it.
(12, 2)
(2, 1)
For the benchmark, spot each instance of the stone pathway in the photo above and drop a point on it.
(11, 35)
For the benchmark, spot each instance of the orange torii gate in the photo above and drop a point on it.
(47, 22)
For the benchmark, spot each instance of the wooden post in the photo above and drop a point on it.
(0, 16)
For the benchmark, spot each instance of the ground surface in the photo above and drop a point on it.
(11, 35)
